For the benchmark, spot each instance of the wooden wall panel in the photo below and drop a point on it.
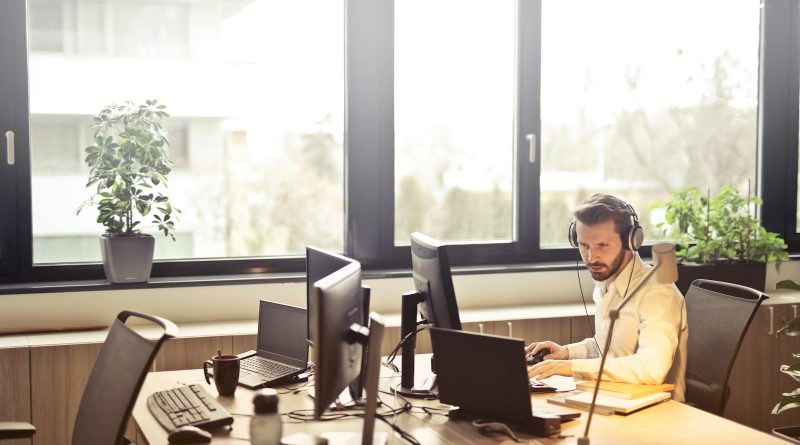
(787, 345)
(242, 343)
(15, 388)
(190, 353)
(553, 329)
(487, 327)
(581, 328)
(58, 377)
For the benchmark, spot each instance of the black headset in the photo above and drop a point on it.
(632, 238)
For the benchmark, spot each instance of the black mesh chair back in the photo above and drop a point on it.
(718, 315)
(115, 381)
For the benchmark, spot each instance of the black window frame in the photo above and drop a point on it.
(369, 145)
(778, 117)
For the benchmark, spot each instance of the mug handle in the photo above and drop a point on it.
(206, 364)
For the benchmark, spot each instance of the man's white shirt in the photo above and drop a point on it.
(650, 328)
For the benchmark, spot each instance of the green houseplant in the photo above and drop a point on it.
(128, 168)
(789, 400)
(720, 230)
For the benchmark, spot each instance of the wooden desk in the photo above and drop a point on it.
(666, 423)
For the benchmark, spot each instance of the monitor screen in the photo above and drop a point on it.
(335, 306)
(431, 271)
(319, 264)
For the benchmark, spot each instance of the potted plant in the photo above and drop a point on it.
(791, 399)
(128, 168)
(718, 238)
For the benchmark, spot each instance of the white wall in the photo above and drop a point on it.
(66, 310)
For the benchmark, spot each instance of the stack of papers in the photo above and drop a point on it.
(625, 390)
(606, 404)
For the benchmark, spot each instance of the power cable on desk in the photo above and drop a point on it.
(392, 355)
(307, 415)
(287, 389)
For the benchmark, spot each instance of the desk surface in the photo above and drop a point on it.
(667, 423)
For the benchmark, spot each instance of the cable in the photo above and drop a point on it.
(487, 427)
(585, 309)
(392, 355)
(307, 415)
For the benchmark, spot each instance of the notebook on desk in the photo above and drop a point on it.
(485, 376)
(282, 350)
(608, 405)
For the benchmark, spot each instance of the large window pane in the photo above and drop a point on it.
(256, 128)
(643, 97)
(454, 119)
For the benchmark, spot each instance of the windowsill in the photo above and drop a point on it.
(250, 327)
(231, 280)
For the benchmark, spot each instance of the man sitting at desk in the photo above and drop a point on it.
(648, 345)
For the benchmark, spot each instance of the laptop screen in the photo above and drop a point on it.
(282, 331)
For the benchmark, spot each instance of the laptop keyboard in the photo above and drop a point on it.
(267, 368)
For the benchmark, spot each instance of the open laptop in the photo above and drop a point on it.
(485, 376)
(282, 350)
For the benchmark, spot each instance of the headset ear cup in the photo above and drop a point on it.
(572, 234)
(634, 237)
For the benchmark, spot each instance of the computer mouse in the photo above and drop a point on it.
(532, 359)
(189, 434)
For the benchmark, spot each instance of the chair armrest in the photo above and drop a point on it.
(16, 430)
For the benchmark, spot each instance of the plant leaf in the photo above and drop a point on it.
(791, 329)
(787, 284)
(793, 371)
(788, 401)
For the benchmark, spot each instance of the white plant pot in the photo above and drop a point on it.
(127, 259)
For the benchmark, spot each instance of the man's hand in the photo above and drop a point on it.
(547, 368)
(557, 352)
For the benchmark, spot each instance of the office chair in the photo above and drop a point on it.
(718, 315)
(114, 383)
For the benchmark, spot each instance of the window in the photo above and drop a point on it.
(641, 98)
(256, 126)
(479, 122)
(454, 119)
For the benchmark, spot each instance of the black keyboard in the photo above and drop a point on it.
(187, 405)
(267, 368)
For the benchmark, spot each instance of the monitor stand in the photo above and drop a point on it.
(372, 338)
(357, 385)
(408, 325)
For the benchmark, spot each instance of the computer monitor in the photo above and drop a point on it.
(341, 341)
(430, 267)
(435, 300)
(319, 264)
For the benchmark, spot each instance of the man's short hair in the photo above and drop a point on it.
(602, 207)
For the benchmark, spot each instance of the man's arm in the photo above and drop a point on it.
(586, 348)
(661, 313)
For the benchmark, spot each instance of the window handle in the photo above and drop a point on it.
(531, 138)
(10, 147)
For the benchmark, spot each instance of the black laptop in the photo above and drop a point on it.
(282, 350)
(486, 376)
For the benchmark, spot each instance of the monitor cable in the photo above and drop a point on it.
(389, 363)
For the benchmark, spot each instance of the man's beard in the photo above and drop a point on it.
(612, 270)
